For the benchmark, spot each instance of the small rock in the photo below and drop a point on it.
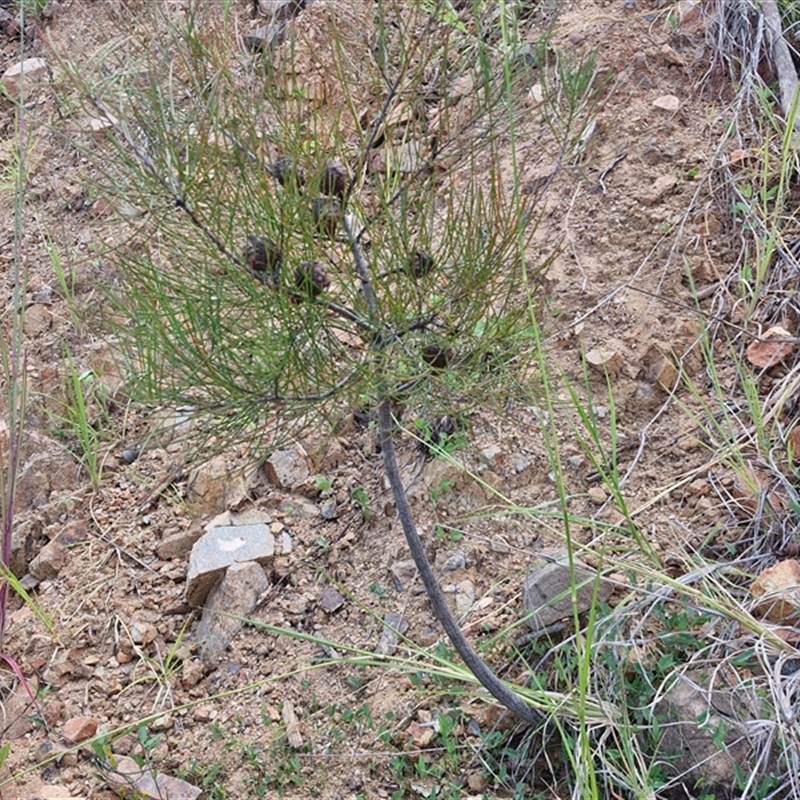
(49, 562)
(328, 509)
(778, 590)
(772, 347)
(294, 735)
(672, 56)
(698, 487)
(667, 102)
(405, 158)
(162, 723)
(689, 444)
(178, 545)
(420, 735)
(652, 153)
(661, 186)
(477, 781)
(604, 359)
(248, 516)
(29, 71)
(130, 454)
(206, 489)
(547, 593)
(44, 295)
(73, 532)
(288, 468)
(491, 455)
(330, 600)
(78, 729)
(16, 714)
(427, 637)
(520, 463)
(393, 626)
(218, 549)
(260, 39)
(658, 369)
(403, 573)
(300, 508)
(192, 672)
(236, 595)
(597, 495)
(128, 777)
(142, 632)
(38, 319)
(454, 561)
(463, 594)
(704, 739)
(689, 11)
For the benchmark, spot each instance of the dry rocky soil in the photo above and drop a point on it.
(110, 636)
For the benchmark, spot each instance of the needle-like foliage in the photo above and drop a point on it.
(322, 226)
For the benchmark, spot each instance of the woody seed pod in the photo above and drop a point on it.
(311, 278)
(421, 263)
(334, 179)
(286, 172)
(264, 258)
(437, 357)
(327, 215)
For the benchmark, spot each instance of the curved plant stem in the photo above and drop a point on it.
(508, 697)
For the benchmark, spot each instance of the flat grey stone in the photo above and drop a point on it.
(235, 595)
(393, 626)
(221, 547)
(547, 593)
(287, 468)
(330, 600)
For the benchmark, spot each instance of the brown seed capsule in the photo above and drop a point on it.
(437, 357)
(421, 263)
(334, 179)
(286, 172)
(311, 278)
(264, 258)
(327, 215)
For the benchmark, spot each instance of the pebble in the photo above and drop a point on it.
(330, 600)
(142, 632)
(597, 495)
(78, 729)
(328, 509)
(130, 454)
(427, 637)
(454, 561)
(393, 626)
(29, 69)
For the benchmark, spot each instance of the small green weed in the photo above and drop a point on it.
(445, 533)
(323, 484)
(85, 420)
(445, 485)
(445, 436)
(360, 500)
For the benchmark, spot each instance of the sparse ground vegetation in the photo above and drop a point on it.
(517, 277)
